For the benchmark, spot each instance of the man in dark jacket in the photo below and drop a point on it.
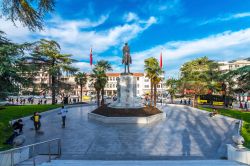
(18, 126)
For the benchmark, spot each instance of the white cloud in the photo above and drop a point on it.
(77, 41)
(223, 46)
(77, 36)
(131, 17)
(57, 21)
(226, 18)
(16, 32)
(83, 66)
(241, 15)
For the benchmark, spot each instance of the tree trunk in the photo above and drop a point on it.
(151, 92)
(98, 98)
(155, 92)
(194, 101)
(102, 93)
(81, 92)
(53, 89)
(172, 99)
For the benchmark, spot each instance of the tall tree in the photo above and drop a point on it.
(172, 86)
(29, 12)
(81, 79)
(99, 80)
(104, 66)
(200, 75)
(153, 72)
(47, 56)
(15, 73)
(155, 81)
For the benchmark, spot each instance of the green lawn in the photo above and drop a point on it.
(8, 113)
(245, 116)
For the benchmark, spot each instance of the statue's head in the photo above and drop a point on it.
(126, 44)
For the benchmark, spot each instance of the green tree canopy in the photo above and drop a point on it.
(242, 76)
(29, 12)
(153, 72)
(46, 55)
(81, 79)
(173, 87)
(201, 75)
(15, 73)
(99, 78)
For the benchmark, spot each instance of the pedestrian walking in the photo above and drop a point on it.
(36, 119)
(189, 101)
(181, 101)
(63, 112)
(241, 105)
(185, 102)
(245, 106)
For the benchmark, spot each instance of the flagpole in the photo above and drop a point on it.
(162, 83)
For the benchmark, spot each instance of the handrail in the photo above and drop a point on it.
(26, 146)
(11, 151)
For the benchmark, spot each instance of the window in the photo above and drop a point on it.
(146, 86)
(158, 86)
(138, 78)
(138, 85)
(146, 80)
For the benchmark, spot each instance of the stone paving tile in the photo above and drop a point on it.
(185, 131)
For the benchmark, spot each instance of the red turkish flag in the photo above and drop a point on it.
(161, 60)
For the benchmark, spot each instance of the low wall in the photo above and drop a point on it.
(141, 120)
(240, 155)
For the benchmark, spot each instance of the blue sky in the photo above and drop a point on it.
(181, 29)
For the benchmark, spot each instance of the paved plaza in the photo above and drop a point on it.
(186, 133)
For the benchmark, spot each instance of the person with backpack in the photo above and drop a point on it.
(63, 112)
(18, 126)
(36, 119)
(17, 130)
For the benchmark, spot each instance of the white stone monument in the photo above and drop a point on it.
(126, 93)
(126, 85)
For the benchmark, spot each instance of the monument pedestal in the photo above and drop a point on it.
(126, 93)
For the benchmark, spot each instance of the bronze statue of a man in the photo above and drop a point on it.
(126, 59)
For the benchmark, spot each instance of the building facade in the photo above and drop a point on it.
(232, 65)
(143, 84)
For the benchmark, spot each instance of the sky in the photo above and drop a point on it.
(181, 30)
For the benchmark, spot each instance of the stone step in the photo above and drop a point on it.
(141, 163)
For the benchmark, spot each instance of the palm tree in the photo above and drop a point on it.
(30, 13)
(172, 85)
(81, 79)
(104, 66)
(47, 56)
(153, 72)
(155, 81)
(99, 80)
